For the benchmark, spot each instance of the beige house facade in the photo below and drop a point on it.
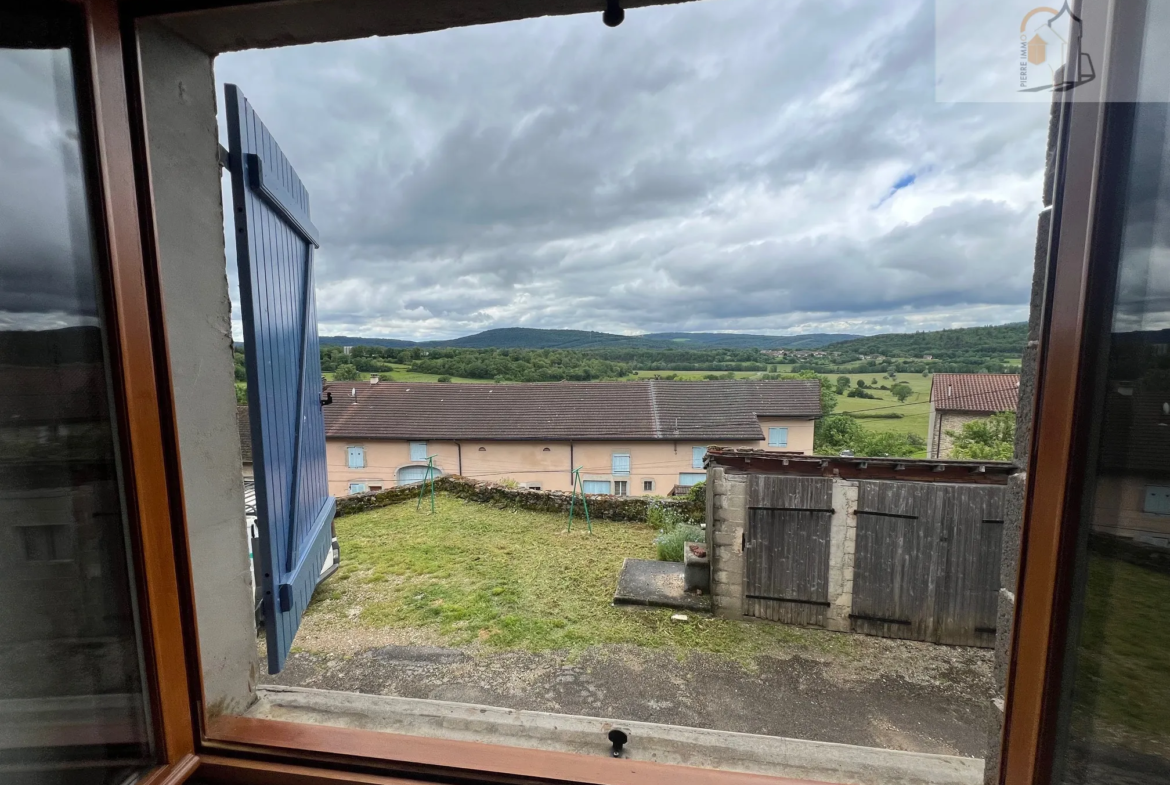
(959, 398)
(536, 434)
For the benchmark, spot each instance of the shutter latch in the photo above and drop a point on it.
(327, 399)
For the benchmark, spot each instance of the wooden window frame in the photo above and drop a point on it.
(246, 750)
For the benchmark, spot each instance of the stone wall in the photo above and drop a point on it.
(610, 508)
(726, 521)
(842, 544)
(952, 422)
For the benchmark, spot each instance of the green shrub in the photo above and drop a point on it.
(670, 542)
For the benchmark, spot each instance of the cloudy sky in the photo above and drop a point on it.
(773, 166)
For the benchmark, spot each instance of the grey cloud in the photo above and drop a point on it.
(713, 165)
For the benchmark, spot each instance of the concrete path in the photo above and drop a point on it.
(890, 694)
(794, 758)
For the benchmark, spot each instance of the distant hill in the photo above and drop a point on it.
(531, 338)
(1001, 341)
(747, 341)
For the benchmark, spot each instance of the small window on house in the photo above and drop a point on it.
(621, 463)
(483, 449)
(697, 456)
(532, 486)
(355, 457)
(409, 474)
(418, 451)
(1157, 500)
(777, 437)
(375, 487)
(547, 449)
(647, 485)
(621, 488)
(691, 478)
(596, 486)
(46, 543)
(357, 487)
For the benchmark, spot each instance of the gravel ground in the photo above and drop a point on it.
(882, 693)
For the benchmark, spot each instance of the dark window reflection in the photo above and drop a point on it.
(1117, 715)
(72, 706)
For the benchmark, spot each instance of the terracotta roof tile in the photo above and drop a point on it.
(975, 392)
(566, 410)
(244, 426)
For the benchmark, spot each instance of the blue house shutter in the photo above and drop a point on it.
(621, 463)
(274, 252)
(355, 457)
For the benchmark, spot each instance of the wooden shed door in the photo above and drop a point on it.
(894, 555)
(786, 548)
(926, 563)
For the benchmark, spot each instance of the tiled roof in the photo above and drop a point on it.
(244, 425)
(566, 410)
(975, 392)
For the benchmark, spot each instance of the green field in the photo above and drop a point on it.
(402, 373)
(691, 375)
(915, 411)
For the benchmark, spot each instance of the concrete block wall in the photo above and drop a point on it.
(842, 546)
(726, 523)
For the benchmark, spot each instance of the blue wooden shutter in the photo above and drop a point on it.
(274, 251)
(697, 456)
(777, 437)
(355, 457)
(621, 463)
(418, 451)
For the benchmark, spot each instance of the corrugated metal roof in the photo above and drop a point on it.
(567, 410)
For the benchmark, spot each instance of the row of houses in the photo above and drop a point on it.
(651, 438)
(626, 438)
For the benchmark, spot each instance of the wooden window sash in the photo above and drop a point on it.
(136, 328)
(240, 749)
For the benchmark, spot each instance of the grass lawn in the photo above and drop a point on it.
(513, 579)
(1125, 650)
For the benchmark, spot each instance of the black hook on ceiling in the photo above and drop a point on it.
(614, 13)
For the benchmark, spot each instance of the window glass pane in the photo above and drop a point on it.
(1116, 718)
(73, 706)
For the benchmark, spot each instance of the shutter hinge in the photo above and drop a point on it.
(225, 158)
(327, 399)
